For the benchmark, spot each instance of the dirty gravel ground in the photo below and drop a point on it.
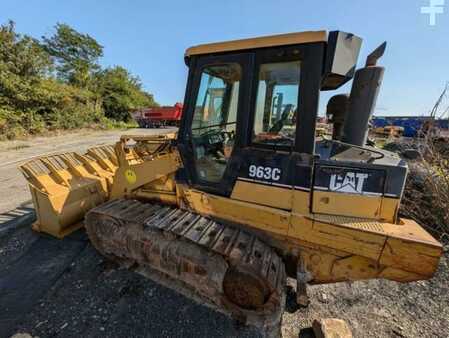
(93, 298)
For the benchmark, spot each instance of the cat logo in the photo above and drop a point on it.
(349, 182)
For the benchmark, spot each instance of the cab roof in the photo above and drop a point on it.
(258, 42)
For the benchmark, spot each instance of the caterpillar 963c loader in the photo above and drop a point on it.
(246, 195)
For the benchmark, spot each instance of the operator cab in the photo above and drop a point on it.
(251, 107)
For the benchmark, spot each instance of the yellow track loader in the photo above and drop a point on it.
(245, 194)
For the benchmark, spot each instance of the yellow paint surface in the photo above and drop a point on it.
(333, 203)
(271, 196)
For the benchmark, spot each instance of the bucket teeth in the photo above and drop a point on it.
(65, 186)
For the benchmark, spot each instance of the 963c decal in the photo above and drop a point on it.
(266, 173)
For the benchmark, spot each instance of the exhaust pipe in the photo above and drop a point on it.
(363, 97)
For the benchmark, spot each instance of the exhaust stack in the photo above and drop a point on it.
(362, 101)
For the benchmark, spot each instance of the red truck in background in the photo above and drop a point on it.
(158, 117)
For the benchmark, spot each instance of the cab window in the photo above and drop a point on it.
(276, 103)
(214, 119)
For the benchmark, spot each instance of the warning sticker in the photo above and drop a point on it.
(130, 176)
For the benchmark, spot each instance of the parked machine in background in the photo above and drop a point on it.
(388, 131)
(413, 126)
(158, 117)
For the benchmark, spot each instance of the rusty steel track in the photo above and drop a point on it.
(219, 265)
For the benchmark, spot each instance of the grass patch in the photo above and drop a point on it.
(18, 147)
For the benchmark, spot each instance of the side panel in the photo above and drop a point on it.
(260, 217)
(333, 203)
(263, 177)
(301, 202)
(271, 196)
(348, 191)
(389, 210)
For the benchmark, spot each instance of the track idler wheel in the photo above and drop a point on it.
(245, 290)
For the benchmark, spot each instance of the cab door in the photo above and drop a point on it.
(217, 98)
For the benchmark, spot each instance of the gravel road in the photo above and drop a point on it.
(89, 297)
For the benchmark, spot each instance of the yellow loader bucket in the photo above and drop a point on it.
(65, 186)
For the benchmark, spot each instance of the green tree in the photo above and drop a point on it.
(76, 54)
(31, 100)
(121, 93)
(22, 54)
(23, 65)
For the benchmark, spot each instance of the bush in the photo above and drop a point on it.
(113, 124)
(426, 196)
(31, 107)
